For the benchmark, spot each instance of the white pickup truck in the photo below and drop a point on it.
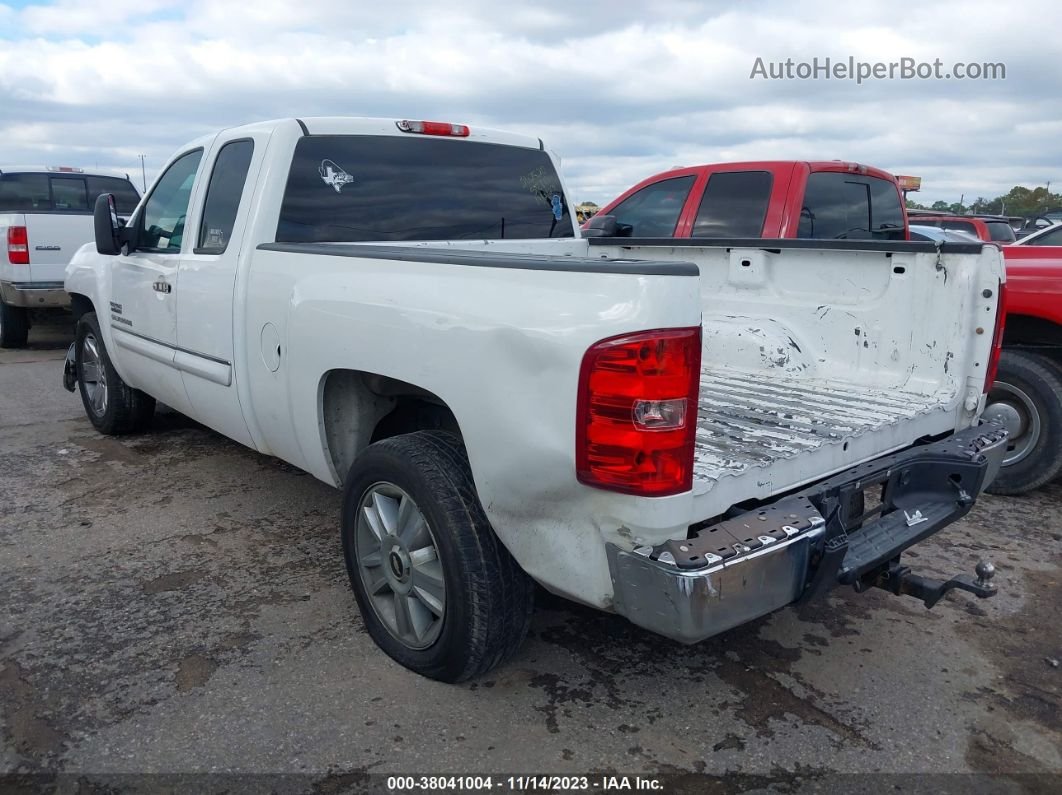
(689, 435)
(45, 216)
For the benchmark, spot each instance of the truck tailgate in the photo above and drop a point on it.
(819, 355)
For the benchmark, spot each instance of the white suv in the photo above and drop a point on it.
(45, 216)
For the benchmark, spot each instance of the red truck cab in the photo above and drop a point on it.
(824, 200)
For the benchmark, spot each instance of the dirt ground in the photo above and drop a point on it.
(173, 603)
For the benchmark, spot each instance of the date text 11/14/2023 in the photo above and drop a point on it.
(523, 783)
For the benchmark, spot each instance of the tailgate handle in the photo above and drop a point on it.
(161, 287)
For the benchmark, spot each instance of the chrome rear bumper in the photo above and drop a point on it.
(35, 295)
(744, 567)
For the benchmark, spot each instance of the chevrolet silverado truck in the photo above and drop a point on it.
(45, 216)
(816, 200)
(691, 436)
(1026, 396)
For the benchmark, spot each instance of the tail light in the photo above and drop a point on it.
(997, 337)
(433, 128)
(17, 245)
(637, 412)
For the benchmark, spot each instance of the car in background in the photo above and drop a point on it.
(935, 234)
(822, 200)
(1046, 236)
(46, 216)
(990, 229)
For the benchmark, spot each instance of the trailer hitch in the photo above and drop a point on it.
(899, 580)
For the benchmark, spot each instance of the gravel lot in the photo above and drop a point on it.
(174, 602)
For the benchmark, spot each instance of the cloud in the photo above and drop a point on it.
(619, 90)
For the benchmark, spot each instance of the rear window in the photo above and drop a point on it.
(345, 188)
(1001, 231)
(960, 226)
(66, 193)
(734, 205)
(841, 206)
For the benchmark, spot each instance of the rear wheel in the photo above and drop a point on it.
(112, 406)
(1026, 399)
(438, 591)
(14, 326)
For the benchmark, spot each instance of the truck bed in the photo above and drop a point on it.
(745, 421)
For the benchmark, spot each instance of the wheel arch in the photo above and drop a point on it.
(357, 408)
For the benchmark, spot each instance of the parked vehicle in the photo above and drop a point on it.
(828, 200)
(1045, 236)
(682, 434)
(45, 216)
(1027, 394)
(991, 230)
(938, 235)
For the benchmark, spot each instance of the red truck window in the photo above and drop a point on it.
(734, 204)
(843, 206)
(654, 210)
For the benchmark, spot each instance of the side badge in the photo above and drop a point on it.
(333, 175)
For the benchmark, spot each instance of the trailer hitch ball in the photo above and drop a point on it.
(985, 572)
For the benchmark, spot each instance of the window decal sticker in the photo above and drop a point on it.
(333, 175)
(557, 204)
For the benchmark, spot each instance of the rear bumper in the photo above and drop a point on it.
(737, 569)
(34, 295)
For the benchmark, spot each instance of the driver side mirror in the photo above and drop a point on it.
(107, 225)
(606, 226)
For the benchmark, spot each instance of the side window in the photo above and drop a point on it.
(161, 225)
(69, 194)
(734, 205)
(1052, 238)
(654, 210)
(223, 196)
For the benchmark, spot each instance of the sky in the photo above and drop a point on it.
(620, 90)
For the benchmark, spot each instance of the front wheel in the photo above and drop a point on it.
(438, 591)
(112, 406)
(1026, 399)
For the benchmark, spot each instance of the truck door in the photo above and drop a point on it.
(143, 317)
(207, 279)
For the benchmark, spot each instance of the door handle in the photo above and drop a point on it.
(161, 287)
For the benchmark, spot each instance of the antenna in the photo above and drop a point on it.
(143, 173)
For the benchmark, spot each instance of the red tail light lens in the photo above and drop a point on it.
(997, 337)
(17, 245)
(637, 412)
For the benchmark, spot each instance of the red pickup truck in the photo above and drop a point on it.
(839, 200)
(825, 200)
(1027, 395)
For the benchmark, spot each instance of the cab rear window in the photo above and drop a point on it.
(66, 193)
(346, 188)
(843, 206)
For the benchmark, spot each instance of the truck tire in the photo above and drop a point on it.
(14, 326)
(1027, 399)
(437, 590)
(112, 407)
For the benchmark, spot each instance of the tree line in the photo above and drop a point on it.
(1019, 201)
